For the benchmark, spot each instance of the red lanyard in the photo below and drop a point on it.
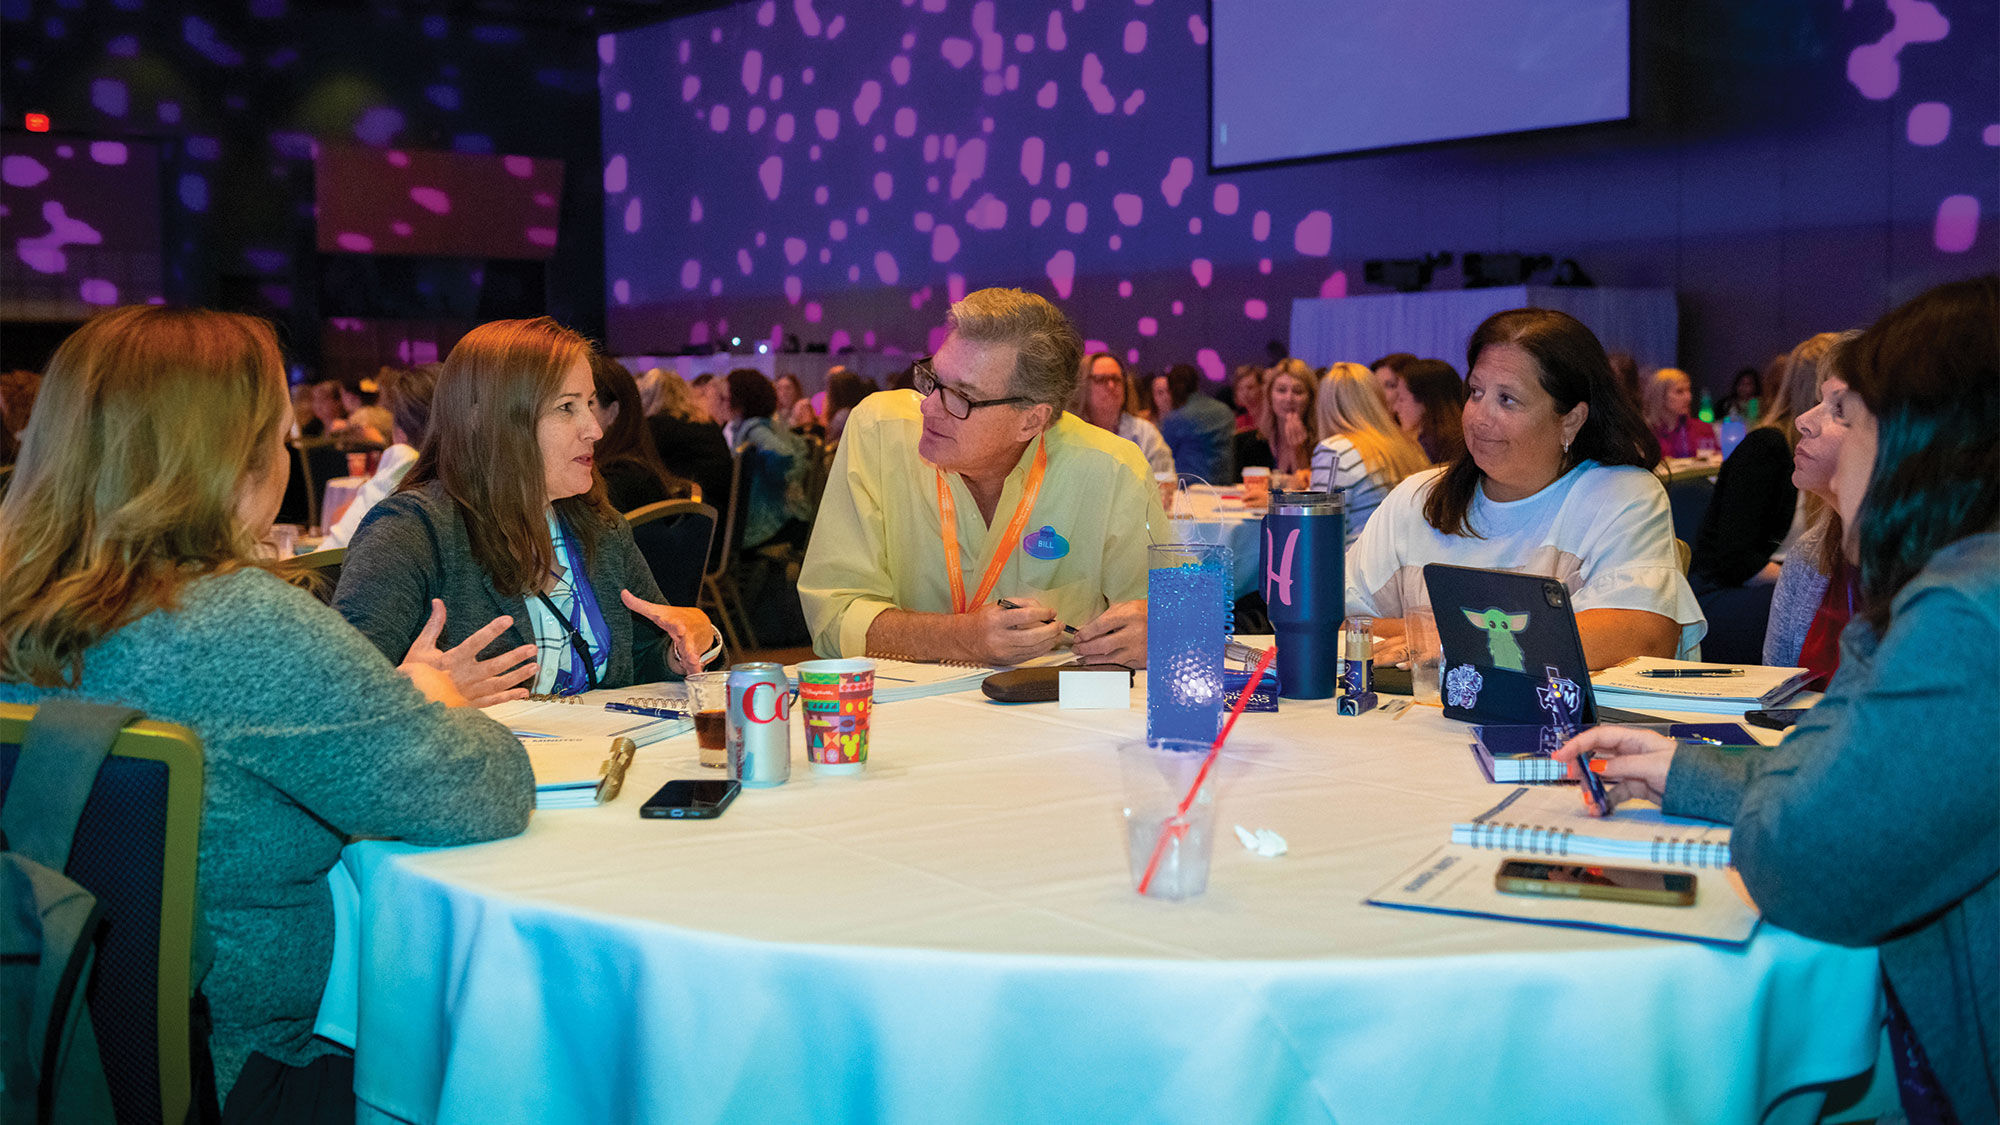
(948, 527)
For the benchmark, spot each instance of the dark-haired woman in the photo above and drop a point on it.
(1555, 479)
(501, 533)
(1429, 400)
(1839, 832)
(774, 463)
(631, 468)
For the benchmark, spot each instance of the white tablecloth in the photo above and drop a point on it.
(954, 937)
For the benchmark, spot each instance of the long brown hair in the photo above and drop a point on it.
(628, 439)
(482, 447)
(151, 420)
(1572, 368)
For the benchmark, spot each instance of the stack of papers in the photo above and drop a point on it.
(570, 771)
(1755, 686)
(585, 716)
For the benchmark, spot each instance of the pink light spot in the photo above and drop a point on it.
(1226, 199)
(920, 298)
(1198, 30)
(97, 291)
(715, 287)
(22, 171)
(1062, 272)
(776, 89)
(944, 243)
(108, 152)
(881, 143)
(835, 26)
(1991, 135)
(614, 174)
(743, 262)
(1203, 270)
(1335, 285)
(1149, 326)
(1135, 37)
(1100, 95)
(699, 333)
(827, 121)
(992, 84)
(1032, 151)
(1133, 101)
(861, 216)
(401, 228)
(784, 128)
(906, 122)
(840, 339)
(820, 195)
(868, 338)
(621, 291)
(1256, 309)
(1210, 362)
(1116, 241)
(988, 212)
(754, 120)
(1038, 212)
(519, 167)
(924, 221)
(885, 267)
(758, 239)
(690, 273)
(1873, 68)
(353, 242)
(899, 70)
(1011, 79)
(541, 236)
(433, 200)
(1046, 96)
(1314, 235)
(1062, 175)
(1930, 123)
(931, 185)
(718, 118)
(795, 250)
(853, 273)
(1056, 38)
(694, 209)
(1076, 217)
(690, 87)
(1194, 225)
(794, 289)
(1131, 356)
(808, 19)
(867, 101)
(885, 184)
(1125, 288)
(968, 166)
(1091, 346)
(1264, 266)
(607, 49)
(1130, 208)
(1260, 225)
(544, 199)
(1180, 173)
(622, 101)
(1103, 158)
(956, 51)
(1179, 308)
(767, 13)
(771, 173)
(1957, 223)
(814, 313)
(1024, 43)
(825, 255)
(753, 71)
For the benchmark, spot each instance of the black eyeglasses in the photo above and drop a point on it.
(955, 402)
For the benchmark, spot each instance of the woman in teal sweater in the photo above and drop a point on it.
(129, 574)
(1848, 831)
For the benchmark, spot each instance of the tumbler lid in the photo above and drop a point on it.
(1313, 503)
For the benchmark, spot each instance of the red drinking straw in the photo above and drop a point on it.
(1176, 826)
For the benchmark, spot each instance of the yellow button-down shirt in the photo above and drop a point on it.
(876, 542)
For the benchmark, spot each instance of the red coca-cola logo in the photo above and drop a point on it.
(780, 707)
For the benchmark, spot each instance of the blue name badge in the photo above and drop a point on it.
(1043, 543)
(1263, 698)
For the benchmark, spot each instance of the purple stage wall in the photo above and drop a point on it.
(842, 170)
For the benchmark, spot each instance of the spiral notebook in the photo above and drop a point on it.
(1552, 822)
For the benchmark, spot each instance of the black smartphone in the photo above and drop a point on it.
(1581, 880)
(1774, 720)
(691, 800)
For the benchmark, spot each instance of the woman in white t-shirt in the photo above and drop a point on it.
(1556, 479)
(1364, 452)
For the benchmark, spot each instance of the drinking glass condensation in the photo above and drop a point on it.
(1420, 633)
(708, 700)
(760, 725)
(1157, 775)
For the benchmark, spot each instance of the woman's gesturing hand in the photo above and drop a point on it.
(482, 682)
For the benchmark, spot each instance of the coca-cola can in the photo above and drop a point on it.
(760, 725)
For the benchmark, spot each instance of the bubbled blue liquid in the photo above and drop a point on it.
(1187, 620)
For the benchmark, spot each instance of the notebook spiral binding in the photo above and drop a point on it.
(1537, 840)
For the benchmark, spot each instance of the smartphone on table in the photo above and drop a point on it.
(1587, 880)
(691, 799)
(1774, 720)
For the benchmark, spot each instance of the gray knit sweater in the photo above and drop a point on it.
(1795, 602)
(309, 737)
(1877, 820)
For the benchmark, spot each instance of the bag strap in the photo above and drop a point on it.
(65, 746)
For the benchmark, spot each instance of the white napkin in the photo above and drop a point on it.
(1263, 841)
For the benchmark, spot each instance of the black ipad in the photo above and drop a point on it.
(1508, 640)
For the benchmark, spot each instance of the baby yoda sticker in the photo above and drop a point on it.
(1500, 627)
(1461, 687)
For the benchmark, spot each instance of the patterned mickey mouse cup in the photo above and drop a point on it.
(837, 696)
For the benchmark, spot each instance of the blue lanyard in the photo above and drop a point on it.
(579, 672)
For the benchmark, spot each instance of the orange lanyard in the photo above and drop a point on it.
(948, 527)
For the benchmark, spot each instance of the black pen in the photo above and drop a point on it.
(1687, 673)
(1005, 604)
(642, 709)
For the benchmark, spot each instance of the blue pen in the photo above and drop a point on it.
(639, 709)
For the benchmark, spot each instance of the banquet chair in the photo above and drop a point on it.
(1687, 503)
(674, 535)
(720, 590)
(134, 849)
(324, 566)
(6, 474)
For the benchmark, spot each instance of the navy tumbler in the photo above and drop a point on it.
(1305, 588)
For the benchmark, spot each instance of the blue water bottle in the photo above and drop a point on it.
(1305, 588)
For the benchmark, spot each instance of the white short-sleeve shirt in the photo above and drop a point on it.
(1604, 531)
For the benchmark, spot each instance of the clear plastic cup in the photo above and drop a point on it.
(1157, 774)
(1420, 632)
(708, 701)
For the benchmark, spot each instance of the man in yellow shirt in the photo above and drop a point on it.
(978, 489)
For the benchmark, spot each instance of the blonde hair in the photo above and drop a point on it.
(1351, 405)
(150, 421)
(1654, 395)
(677, 399)
(1798, 391)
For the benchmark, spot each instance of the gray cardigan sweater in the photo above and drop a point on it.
(414, 547)
(308, 738)
(1877, 820)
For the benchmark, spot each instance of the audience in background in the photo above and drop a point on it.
(790, 394)
(1429, 402)
(651, 390)
(499, 560)
(1364, 452)
(633, 474)
(129, 576)
(690, 444)
(775, 464)
(1246, 393)
(1817, 588)
(17, 404)
(932, 490)
(1742, 396)
(1669, 403)
(1283, 440)
(1556, 479)
(1389, 374)
(408, 394)
(1198, 430)
(1108, 399)
(326, 409)
(708, 391)
(366, 422)
(1838, 832)
(1625, 372)
(844, 392)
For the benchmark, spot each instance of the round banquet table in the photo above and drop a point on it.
(954, 937)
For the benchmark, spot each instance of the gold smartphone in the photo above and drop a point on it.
(1583, 880)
